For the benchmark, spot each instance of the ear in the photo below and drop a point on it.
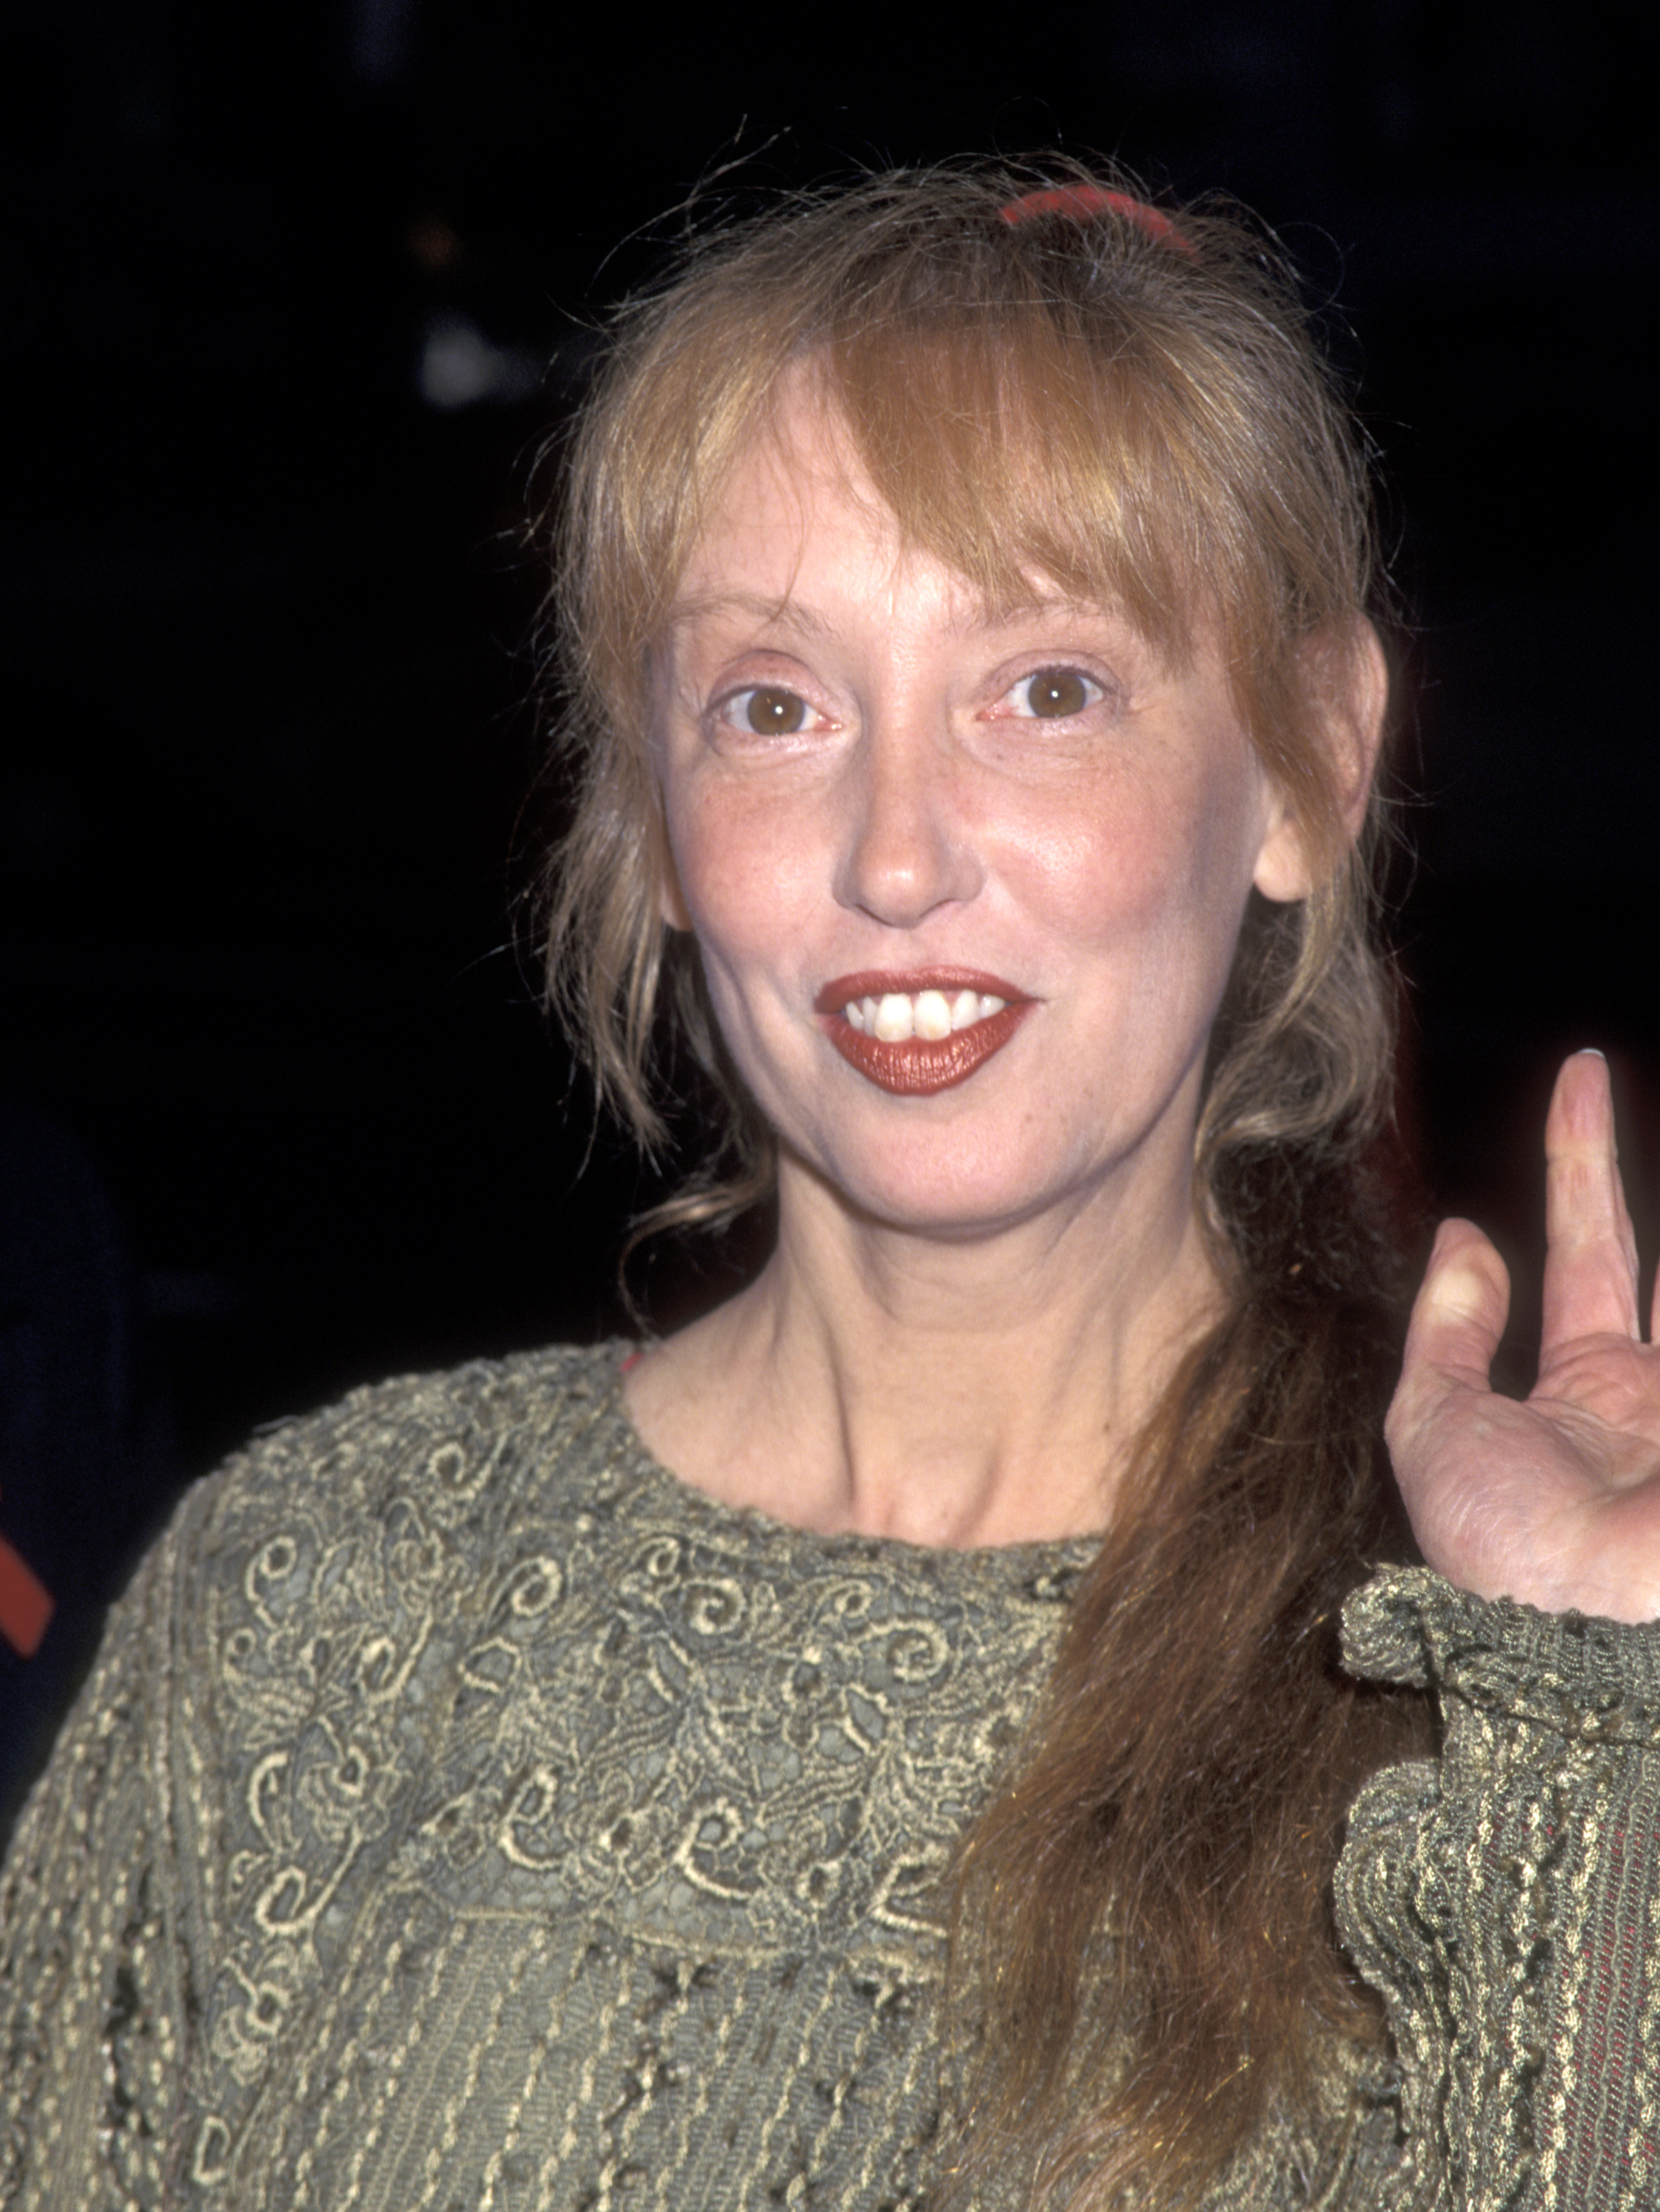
(671, 899)
(1349, 680)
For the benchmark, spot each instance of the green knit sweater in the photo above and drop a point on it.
(465, 1813)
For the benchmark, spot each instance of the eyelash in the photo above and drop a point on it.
(730, 708)
(1094, 691)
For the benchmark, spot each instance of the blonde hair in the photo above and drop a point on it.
(1082, 399)
(1130, 405)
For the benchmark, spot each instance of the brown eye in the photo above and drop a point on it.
(771, 713)
(1054, 692)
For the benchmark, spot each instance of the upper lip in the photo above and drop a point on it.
(880, 983)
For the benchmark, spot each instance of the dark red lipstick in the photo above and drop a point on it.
(915, 1067)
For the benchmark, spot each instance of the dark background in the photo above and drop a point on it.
(282, 284)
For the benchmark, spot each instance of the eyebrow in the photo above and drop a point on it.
(792, 614)
(773, 614)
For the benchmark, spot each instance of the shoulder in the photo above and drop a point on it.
(454, 1459)
(323, 1584)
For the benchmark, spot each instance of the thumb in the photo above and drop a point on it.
(1458, 1319)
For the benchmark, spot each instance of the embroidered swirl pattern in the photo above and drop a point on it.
(463, 1813)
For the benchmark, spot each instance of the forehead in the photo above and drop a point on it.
(797, 524)
(795, 480)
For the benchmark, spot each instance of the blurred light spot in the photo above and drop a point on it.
(460, 367)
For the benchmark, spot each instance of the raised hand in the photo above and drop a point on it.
(1554, 1500)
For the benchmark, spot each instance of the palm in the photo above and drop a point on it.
(1554, 1500)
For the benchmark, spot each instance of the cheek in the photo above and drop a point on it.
(1172, 867)
(1155, 890)
(739, 879)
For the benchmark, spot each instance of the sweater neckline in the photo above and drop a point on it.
(1031, 1565)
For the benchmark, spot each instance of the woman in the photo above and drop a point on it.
(932, 1786)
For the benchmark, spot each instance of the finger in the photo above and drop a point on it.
(1590, 1253)
(1458, 1319)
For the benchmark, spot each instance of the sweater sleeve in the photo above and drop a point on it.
(91, 2016)
(1505, 1901)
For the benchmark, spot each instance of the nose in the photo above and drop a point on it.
(907, 847)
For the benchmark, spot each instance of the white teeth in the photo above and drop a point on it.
(896, 1017)
(932, 1016)
(893, 1018)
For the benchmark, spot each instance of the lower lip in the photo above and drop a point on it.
(918, 1067)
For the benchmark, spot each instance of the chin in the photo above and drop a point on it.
(959, 1208)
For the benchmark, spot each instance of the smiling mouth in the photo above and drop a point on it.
(916, 1035)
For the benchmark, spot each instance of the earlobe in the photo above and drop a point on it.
(1350, 681)
(1283, 871)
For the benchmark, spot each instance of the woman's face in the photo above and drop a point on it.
(966, 878)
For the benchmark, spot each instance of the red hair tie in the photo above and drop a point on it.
(1083, 203)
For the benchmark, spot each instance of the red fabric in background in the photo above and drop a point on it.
(25, 1603)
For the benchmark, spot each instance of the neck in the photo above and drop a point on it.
(947, 1392)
